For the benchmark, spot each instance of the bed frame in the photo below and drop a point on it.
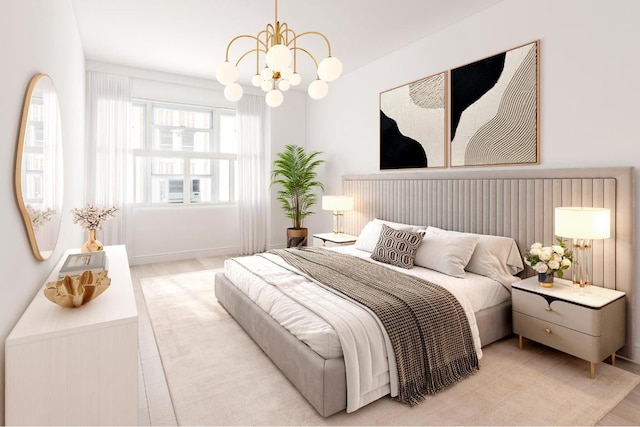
(515, 203)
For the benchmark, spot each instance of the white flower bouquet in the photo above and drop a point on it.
(92, 217)
(549, 259)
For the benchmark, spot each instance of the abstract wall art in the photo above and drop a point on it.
(413, 124)
(494, 110)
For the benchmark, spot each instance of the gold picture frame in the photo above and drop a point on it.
(494, 113)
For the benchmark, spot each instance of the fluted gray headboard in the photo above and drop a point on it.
(515, 203)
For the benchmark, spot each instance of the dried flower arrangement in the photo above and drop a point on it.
(40, 217)
(92, 217)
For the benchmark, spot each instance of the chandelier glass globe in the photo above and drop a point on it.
(274, 98)
(318, 89)
(329, 69)
(233, 92)
(278, 57)
(227, 73)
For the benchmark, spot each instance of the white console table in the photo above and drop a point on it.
(76, 366)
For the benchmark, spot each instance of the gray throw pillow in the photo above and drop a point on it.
(397, 247)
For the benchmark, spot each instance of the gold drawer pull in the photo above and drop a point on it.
(548, 308)
(547, 330)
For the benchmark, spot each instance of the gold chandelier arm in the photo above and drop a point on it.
(308, 54)
(256, 38)
(317, 33)
(257, 57)
(284, 31)
(258, 50)
(270, 33)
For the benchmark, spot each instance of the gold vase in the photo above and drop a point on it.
(92, 244)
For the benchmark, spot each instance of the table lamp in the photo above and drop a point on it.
(337, 204)
(582, 225)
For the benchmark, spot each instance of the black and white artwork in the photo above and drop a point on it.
(413, 125)
(494, 110)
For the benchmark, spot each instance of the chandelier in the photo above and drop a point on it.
(279, 69)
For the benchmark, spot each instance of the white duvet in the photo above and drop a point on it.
(333, 325)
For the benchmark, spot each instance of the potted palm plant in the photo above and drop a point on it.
(295, 170)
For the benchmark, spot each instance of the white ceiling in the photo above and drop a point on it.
(189, 37)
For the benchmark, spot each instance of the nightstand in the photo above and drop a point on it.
(588, 325)
(333, 239)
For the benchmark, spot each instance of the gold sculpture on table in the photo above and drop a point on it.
(75, 291)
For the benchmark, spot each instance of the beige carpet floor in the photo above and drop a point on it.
(218, 376)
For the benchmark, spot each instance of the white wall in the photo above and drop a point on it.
(38, 36)
(589, 87)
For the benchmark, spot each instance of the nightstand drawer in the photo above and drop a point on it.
(571, 316)
(550, 334)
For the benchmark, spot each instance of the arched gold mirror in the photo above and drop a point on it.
(38, 174)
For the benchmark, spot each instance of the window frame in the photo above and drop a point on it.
(143, 157)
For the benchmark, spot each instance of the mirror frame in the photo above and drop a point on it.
(19, 167)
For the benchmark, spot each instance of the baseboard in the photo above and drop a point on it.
(179, 256)
(636, 354)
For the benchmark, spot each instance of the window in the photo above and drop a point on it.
(183, 154)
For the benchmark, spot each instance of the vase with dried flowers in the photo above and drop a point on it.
(92, 218)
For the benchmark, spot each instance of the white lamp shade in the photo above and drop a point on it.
(582, 223)
(227, 73)
(274, 98)
(278, 57)
(233, 92)
(329, 69)
(337, 203)
(318, 89)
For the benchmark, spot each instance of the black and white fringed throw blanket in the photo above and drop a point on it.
(426, 324)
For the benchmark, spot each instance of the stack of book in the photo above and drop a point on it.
(76, 264)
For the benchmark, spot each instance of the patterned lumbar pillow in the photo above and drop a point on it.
(397, 247)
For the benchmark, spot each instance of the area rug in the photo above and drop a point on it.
(218, 376)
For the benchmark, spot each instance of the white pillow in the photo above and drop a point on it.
(399, 226)
(497, 257)
(368, 238)
(447, 253)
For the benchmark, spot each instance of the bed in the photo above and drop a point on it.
(516, 204)
(294, 331)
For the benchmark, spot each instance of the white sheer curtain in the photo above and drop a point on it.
(108, 161)
(253, 174)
